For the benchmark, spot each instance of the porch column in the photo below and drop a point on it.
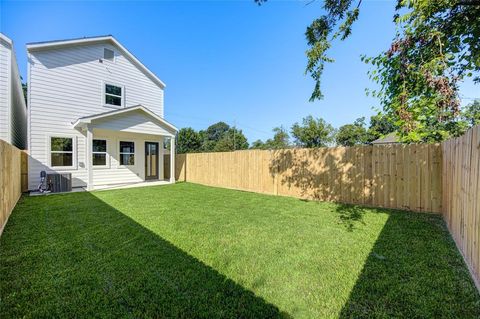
(88, 159)
(172, 159)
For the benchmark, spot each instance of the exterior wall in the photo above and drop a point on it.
(135, 122)
(115, 173)
(13, 111)
(5, 51)
(18, 109)
(67, 83)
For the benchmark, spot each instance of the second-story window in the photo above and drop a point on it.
(114, 95)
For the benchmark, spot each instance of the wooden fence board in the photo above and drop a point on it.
(12, 161)
(461, 195)
(399, 176)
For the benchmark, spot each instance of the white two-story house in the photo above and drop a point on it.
(97, 112)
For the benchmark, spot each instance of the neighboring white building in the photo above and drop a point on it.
(13, 109)
(94, 111)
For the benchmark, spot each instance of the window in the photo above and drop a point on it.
(127, 153)
(108, 54)
(99, 153)
(61, 151)
(113, 95)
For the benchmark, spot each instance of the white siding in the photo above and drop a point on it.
(13, 111)
(5, 51)
(18, 109)
(135, 122)
(117, 174)
(66, 84)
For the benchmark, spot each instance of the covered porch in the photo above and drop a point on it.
(126, 148)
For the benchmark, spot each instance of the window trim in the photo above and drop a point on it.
(104, 93)
(107, 157)
(74, 151)
(120, 154)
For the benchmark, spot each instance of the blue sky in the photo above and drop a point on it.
(229, 61)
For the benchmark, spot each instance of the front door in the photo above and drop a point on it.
(151, 160)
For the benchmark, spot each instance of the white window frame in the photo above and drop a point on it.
(107, 157)
(120, 153)
(74, 151)
(104, 93)
(114, 55)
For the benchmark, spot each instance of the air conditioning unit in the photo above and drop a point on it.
(59, 182)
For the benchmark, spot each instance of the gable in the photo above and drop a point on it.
(72, 79)
(135, 121)
(104, 40)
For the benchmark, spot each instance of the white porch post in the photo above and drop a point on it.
(88, 159)
(172, 159)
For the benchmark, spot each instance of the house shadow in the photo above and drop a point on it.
(413, 271)
(87, 259)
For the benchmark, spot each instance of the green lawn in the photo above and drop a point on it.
(187, 250)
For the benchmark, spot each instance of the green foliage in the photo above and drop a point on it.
(313, 132)
(380, 125)
(437, 46)
(352, 134)
(212, 135)
(219, 137)
(471, 113)
(188, 141)
(24, 89)
(233, 139)
(280, 140)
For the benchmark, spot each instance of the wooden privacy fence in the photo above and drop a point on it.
(392, 176)
(13, 179)
(461, 195)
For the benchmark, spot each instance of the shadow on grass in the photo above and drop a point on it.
(75, 256)
(350, 215)
(413, 271)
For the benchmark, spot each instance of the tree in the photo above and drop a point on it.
(436, 47)
(312, 132)
(212, 135)
(380, 126)
(188, 141)
(258, 144)
(24, 89)
(232, 140)
(352, 134)
(280, 140)
(471, 113)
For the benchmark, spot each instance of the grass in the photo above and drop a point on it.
(187, 250)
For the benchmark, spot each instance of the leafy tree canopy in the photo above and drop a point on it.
(313, 132)
(379, 127)
(232, 140)
(280, 140)
(212, 135)
(436, 46)
(188, 141)
(352, 134)
(471, 113)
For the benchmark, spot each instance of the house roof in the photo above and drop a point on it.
(88, 119)
(5, 38)
(47, 45)
(391, 138)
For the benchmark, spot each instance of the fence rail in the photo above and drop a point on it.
(461, 196)
(13, 172)
(393, 176)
